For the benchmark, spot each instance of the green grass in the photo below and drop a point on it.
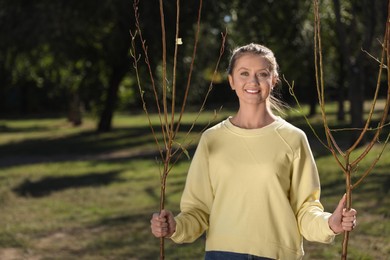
(71, 193)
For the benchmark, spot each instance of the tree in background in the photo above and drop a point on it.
(66, 56)
(75, 52)
(356, 24)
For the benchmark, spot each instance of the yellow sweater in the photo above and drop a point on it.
(255, 191)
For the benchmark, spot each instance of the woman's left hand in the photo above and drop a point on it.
(341, 219)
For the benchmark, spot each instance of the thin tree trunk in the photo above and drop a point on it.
(356, 96)
(313, 99)
(3, 83)
(74, 115)
(105, 122)
(356, 70)
(343, 59)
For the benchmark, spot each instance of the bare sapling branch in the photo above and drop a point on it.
(183, 147)
(151, 76)
(141, 91)
(195, 46)
(343, 158)
(170, 149)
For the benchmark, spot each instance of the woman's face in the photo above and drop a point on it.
(251, 79)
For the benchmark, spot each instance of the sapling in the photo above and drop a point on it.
(165, 95)
(343, 158)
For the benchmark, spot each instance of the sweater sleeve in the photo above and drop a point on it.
(196, 200)
(305, 197)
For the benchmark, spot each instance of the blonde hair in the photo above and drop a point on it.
(266, 53)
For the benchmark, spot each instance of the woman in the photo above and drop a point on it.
(253, 184)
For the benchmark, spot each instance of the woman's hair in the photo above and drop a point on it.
(266, 53)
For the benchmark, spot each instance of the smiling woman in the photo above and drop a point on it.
(253, 73)
(255, 66)
(257, 167)
(252, 81)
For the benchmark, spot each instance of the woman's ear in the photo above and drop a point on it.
(230, 78)
(274, 81)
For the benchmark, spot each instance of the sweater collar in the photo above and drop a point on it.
(252, 132)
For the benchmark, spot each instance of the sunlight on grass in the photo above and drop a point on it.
(71, 193)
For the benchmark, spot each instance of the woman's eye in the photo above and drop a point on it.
(263, 75)
(244, 73)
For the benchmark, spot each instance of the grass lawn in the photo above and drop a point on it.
(71, 193)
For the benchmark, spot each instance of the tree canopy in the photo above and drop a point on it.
(69, 56)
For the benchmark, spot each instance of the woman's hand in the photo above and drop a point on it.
(163, 224)
(341, 219)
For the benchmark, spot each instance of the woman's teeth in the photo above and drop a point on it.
(252, 91)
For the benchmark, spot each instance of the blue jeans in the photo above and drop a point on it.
(222, 255)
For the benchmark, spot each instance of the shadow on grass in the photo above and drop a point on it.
(90, 145)
(87, 145)
(131, 235)
(6, 129)
(48, 185)
(129, 232)
(80, 143)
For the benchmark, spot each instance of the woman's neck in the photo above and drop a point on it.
(253, 118)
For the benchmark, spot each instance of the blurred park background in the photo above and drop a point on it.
(78, 171)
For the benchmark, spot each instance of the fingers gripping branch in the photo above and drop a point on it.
(163, 224)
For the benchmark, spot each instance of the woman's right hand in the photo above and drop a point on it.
(163, 224)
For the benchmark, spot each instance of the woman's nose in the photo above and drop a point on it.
(254, 79)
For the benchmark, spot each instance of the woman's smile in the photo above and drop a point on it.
(252, 91)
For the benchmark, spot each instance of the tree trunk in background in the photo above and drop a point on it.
(117, 46)
(25, 103)
(343, 59)
(352, 64)
(313, 107)
(313, 97)
(356, 96)
(117, 75)
(356, 69)
(3, 84)
(341, 97)
(75, 116)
